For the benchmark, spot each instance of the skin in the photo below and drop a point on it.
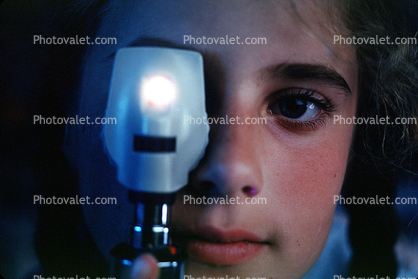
(298, 170)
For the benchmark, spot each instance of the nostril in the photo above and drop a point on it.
(251, 191)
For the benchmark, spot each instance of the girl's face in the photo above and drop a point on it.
(296, 160)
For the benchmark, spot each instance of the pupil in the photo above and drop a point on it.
(292, 107)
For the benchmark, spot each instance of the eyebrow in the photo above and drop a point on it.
(309, 72)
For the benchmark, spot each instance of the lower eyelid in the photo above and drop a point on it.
(309, 125)
(303, 125)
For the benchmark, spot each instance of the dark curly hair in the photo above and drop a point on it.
(388, 86)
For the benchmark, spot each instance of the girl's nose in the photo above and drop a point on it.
(230, 166)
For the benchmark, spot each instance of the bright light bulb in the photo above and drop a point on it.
(159, 91)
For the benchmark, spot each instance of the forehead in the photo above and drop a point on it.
(277, 20)
(305, 36)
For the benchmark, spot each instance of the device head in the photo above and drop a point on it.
(152, 90)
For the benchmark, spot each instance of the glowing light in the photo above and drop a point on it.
(159, 91)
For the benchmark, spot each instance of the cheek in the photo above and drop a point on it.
(311, 175)
(301, 180)
(307, 168)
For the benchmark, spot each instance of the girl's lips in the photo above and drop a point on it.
(224, 253)
(211, 245)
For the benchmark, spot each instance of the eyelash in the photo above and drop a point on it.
(325, 105)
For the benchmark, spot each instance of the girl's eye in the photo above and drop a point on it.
(300, 109)
(297, 108)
